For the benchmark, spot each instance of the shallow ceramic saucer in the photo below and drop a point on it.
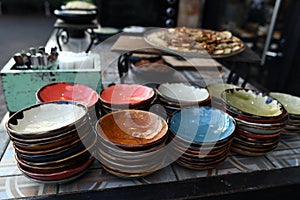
(242, 147)
(200, 153)
(49, 148)
(67, 91)
(67, 151)
(255, 119)
(260, 130)
(46, 119)
(182, 94)
(216, 89)
(86, 152)
(125, 167)
(246, 152)
(108, 109)
(257, 136)
(127, 175)
(207, 146)
(126, 96)
(199, 165)
(52, 142)
(203, 160)
(132, 129)
(258, 143)
(252, 104)
(290, 102)
(53, 168)
(129, 154)
(130, 162)
(280, 122)
(58, 177)
(202, 125)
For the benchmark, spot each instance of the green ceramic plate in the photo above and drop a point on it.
(291, 103)
(252, 102)
(216, 89)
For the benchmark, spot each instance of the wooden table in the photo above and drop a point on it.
(273, 176)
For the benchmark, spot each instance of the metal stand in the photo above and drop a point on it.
(64, 31)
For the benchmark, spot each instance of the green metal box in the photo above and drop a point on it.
(20, 86)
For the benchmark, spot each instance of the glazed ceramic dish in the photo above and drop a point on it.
(200, 137)
(292, 105)
(46, 119)
(290, 102)
(216, 89)
(260, 120)
(58, 177)
(126, 95)
(67, 91)
(202, 125)
(252, 103)
(132, 128)
(183, 93)
(130, 142)
(64, 134)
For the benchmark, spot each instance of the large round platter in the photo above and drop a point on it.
(195, 42)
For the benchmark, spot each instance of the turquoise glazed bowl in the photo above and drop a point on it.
(202, 125)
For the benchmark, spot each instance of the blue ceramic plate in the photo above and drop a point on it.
(202, 124)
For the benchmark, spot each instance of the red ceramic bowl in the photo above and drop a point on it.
(126, 95)
(67, 91)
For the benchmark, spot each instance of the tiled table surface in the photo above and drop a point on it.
(13, 184)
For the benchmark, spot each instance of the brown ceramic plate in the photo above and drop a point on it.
(132, 129)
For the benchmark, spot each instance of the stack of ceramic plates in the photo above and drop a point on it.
(201, 137)
(130, 142)
(73, 92)
(292, 104)
(53, 141)
(215, 91)
(126, 96)
(175, 96)
(260, 120)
